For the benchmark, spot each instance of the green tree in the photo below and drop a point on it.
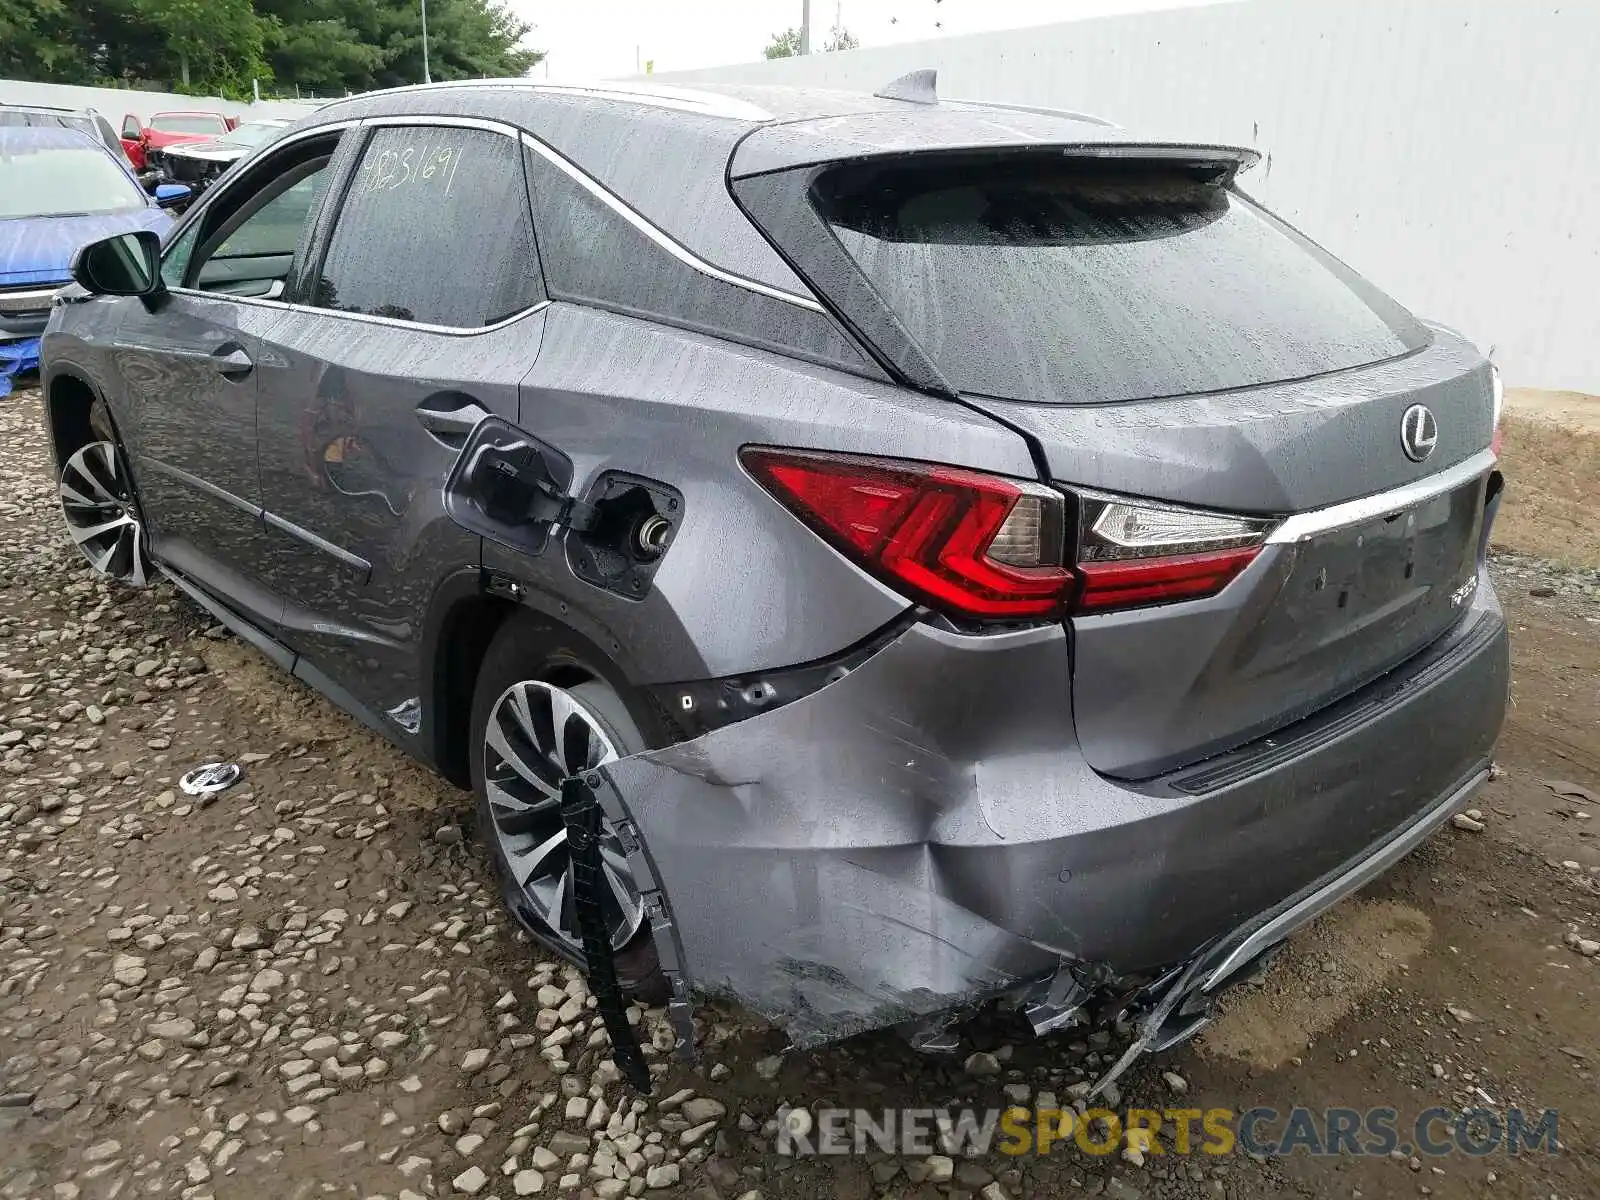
(323, 47)
(217, 46)
(36, 42)
(784, 45)
(787, 43)
(840, 38)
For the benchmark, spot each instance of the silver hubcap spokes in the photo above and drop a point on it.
(539, 735)
(101, 519)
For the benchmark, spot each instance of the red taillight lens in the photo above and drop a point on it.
(1137, 582)
(1132, 553)
(975, 545)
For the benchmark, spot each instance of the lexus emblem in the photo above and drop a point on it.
(1419, 432)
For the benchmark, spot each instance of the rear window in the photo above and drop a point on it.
(1085, 281)
(190, 123)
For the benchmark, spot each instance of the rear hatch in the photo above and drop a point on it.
(1195, 373)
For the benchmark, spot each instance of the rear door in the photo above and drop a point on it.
(132, 140)
(1193, 371)
(421, 318)
(187, 367)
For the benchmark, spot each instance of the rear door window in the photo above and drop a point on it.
(1066, 280)
(436, 228)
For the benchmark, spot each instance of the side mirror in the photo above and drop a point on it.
(172, 195)
(128, 264)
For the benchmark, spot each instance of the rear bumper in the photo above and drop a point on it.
(923, 833)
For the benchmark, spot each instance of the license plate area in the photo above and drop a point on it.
(1398, 579)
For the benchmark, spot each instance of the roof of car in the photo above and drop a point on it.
(749, 103)
(667, 152)
(56, 110)
(26, 139)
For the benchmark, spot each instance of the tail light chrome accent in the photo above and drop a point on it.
(1131, 553)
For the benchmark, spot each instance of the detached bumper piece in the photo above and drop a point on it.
(581, 814)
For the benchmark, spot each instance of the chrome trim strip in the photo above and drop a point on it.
(421, 326)
(1338, 888)
(366, 318)
(179, 475)
(385, 121)
(1369, 508)
(556, 159)
(673, 247)
(254, 301)
(353, 561)
(429, 119)
(31, 300)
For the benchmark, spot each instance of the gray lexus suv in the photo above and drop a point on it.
(946, 552)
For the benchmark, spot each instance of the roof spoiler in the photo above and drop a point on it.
(914, 87)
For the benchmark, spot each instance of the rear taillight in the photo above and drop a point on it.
(976, 546)
(1131, 553)
(984, 547)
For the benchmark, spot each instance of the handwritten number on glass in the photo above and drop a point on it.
(428, 163)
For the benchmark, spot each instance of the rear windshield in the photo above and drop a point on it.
(187, 123)
(1085, 281)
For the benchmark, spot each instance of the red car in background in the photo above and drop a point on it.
(169, 129)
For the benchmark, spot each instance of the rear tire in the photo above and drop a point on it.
(539, 712)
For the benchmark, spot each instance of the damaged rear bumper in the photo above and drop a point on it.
(923, 835)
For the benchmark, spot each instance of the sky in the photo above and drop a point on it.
(605, 39)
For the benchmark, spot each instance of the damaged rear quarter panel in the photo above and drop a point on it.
(923, 833)
(812, 856)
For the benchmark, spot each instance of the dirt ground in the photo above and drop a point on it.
(307, 987)
(1553, 453)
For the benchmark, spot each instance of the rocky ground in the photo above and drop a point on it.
(305, 986)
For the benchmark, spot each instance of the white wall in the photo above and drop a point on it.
(1448, 149)
(115, 103)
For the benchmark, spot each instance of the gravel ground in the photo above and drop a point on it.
(306, 986)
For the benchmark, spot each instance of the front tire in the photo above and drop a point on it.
(102, 515)
(528, 733)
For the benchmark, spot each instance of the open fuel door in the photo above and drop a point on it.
(514, 489)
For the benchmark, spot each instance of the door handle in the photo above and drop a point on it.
(233, 363)
(451, 425)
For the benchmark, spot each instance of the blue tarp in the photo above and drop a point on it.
(17, 358)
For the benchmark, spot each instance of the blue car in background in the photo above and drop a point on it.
(59, 189)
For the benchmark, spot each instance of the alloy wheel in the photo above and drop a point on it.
(97, 502)
(537, 736)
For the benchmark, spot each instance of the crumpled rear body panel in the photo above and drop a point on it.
(923, 834)
(811, 854)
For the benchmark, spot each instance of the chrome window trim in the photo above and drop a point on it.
(556, 159)
(1369, 508)
(422, 326)
(366, 318)
(657, 235)
(385, 121)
